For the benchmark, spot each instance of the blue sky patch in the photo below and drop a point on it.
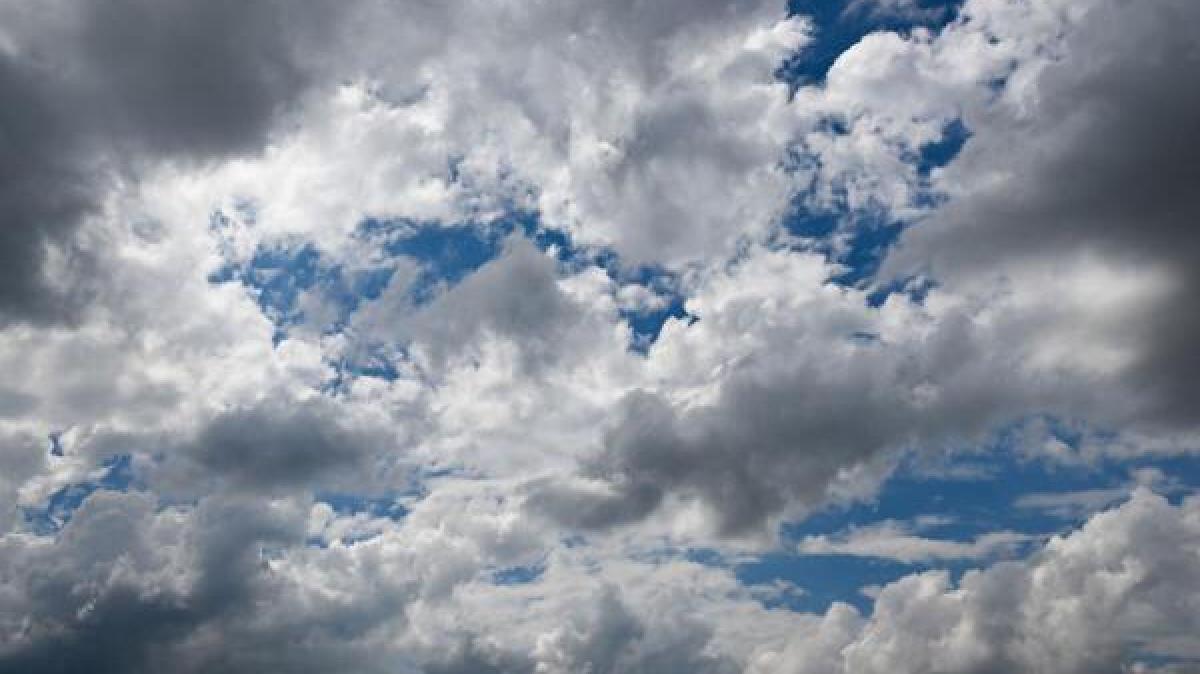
(518, 575)
(53, 515)
(822, 579)
(840, 24)
(859, 240)
(943, 151)
(447, 253)
(647, 323)
(965, 496)
(374, 506)
(276, 276)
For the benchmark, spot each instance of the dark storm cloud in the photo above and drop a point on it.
(1108, 162)
(93, 89)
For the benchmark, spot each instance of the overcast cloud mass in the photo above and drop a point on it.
(600, 337)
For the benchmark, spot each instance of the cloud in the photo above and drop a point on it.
(1107, 181)
(127, 82)
(281, 444)
(896, 541)
(515, 297)
(756, 409)
(1072, 504)
(150, 148)
(1091, 601)
(1119, 589)
(912, 10)
(123, 584)
(23, 458)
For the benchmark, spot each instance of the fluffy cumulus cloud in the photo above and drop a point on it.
(1084, 600)
(599, 337)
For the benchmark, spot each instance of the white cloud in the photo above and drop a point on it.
(900, 541)
(1093, 600)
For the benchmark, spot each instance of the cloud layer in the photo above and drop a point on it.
(518, 337)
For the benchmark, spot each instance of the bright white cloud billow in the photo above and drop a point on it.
(389, 336)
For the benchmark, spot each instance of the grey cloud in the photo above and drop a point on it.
(94, 89)
(629, 500)
(606, 636)
(747, 457)
(605, 631)
(785, 426)
(128, 589)
(284, 444)
(44, 190)
(91, 616)
(516, 297)
(470, 657)
(597, 640)
(200, 79)
(22, 455)
(1104, 162)
(681, 132)
(115, 637)
(15, 403)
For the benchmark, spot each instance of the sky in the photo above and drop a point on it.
(600, 337)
